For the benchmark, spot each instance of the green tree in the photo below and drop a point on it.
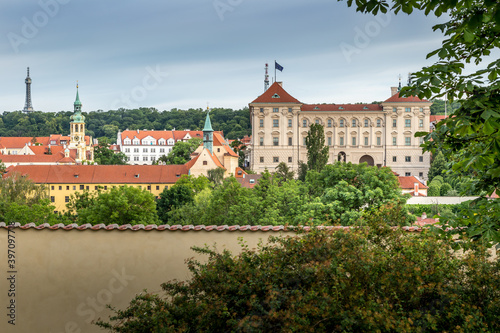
(438, 166)
(302, 171)
(444, 189)
(103, 155)
(118, 205)
(216, 175)
(317, 152)
(2, 167)
(175, 197)
(434, 190)
(471, 138)
(181, 152)
(283, 173)
(364, 280)
(23, 201)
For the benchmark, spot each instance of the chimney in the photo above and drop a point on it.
(394, 91)
(280, 83)
(415, 189)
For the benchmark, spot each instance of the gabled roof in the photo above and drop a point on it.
(408, 182)
(101, 174)
(397, 98)
(219, 141)
(276, 94)
(157, 135)
(39, 158)
(342, 107)
(436, 118)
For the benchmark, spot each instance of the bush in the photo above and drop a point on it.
(444, 189)
(433, 190)
(364, 280)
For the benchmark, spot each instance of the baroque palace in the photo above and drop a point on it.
(378, 134)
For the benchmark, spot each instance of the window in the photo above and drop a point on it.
(407, 122)
(105, 187)
(162, 150)
(421, 109)
(304, 123)
(289, 159)
(136, 150)
(407, 174)
(127, 150)
(366, 122)
(379, 123)
(276, 110)
(341, 123)
(275, 141)
(144, 158)
(304, 142)
(153, 150)
(329, 123)
(52, 187)
(149, 187)
(420, 158)
(82, 187)
(290, 110)
(87, 187)
(289, 140)
(421, 174)
(66, 199)
(74, 187)
(261, 122)
(136, 158)
(408, 141)
(420, 123)
(366, 141)
(353, 140)
(329, 140)
(262, 110)
(354, 123)
(341, 141)
(60, 188)
(276, 123)
(394, 123)
(394, 109)
(67, 187)
(407, 158)
(394, 141)
(421, 140)
(289, 122)
(407, 109)
(261, 141)
(276, 159)
(317, 121)
(394, 159)
(153, 158)
(144, 150)
(379, 140)
(205, 162)
(52, 198)
(261, 159)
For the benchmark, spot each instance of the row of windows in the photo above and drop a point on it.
(160, 142)
(407, 109)
(341, 123)
(276, 110)
(96, 187)
(276, 159)
(147, 150)
(144, 158)
(329, 139)
(407, 158)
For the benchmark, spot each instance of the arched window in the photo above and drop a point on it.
(354, 123)
(304, 123)
(317, 121)
(329, 123)
(366, 122)
(341, 123)
(379, 123)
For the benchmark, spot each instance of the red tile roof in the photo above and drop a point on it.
(436, 118)
(249, 181)
(396, 98)
(40, 158)
(276, 88)
(100, 174)
(220, 141)
(342, 107)
(408, 182)
(21, 141)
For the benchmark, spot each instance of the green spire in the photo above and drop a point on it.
(77, 117)
(77, 101)
(208, 124)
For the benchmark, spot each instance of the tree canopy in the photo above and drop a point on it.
(181, 152)
(317, 152)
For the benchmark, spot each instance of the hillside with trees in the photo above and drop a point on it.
(233, 123)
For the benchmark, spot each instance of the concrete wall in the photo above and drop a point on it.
(63, 278)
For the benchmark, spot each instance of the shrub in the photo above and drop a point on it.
(444, 189)
(433, 190)
(367, 279)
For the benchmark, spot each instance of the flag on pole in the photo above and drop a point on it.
(278, 66)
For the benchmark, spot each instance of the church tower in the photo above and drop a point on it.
(208, 134)
(27, 105)
(77, 130)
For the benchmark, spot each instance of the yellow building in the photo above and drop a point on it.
(64, 180)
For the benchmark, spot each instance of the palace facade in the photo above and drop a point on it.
(378, 134)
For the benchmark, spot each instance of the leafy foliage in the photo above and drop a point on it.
(470, 139)
(118, 205)
(105, 156)
(365, 280)
(317, 152)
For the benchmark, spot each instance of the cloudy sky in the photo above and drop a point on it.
(187, 53)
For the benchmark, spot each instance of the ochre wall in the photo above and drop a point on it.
(64, 277)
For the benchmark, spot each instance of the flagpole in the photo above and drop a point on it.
(275, 70)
